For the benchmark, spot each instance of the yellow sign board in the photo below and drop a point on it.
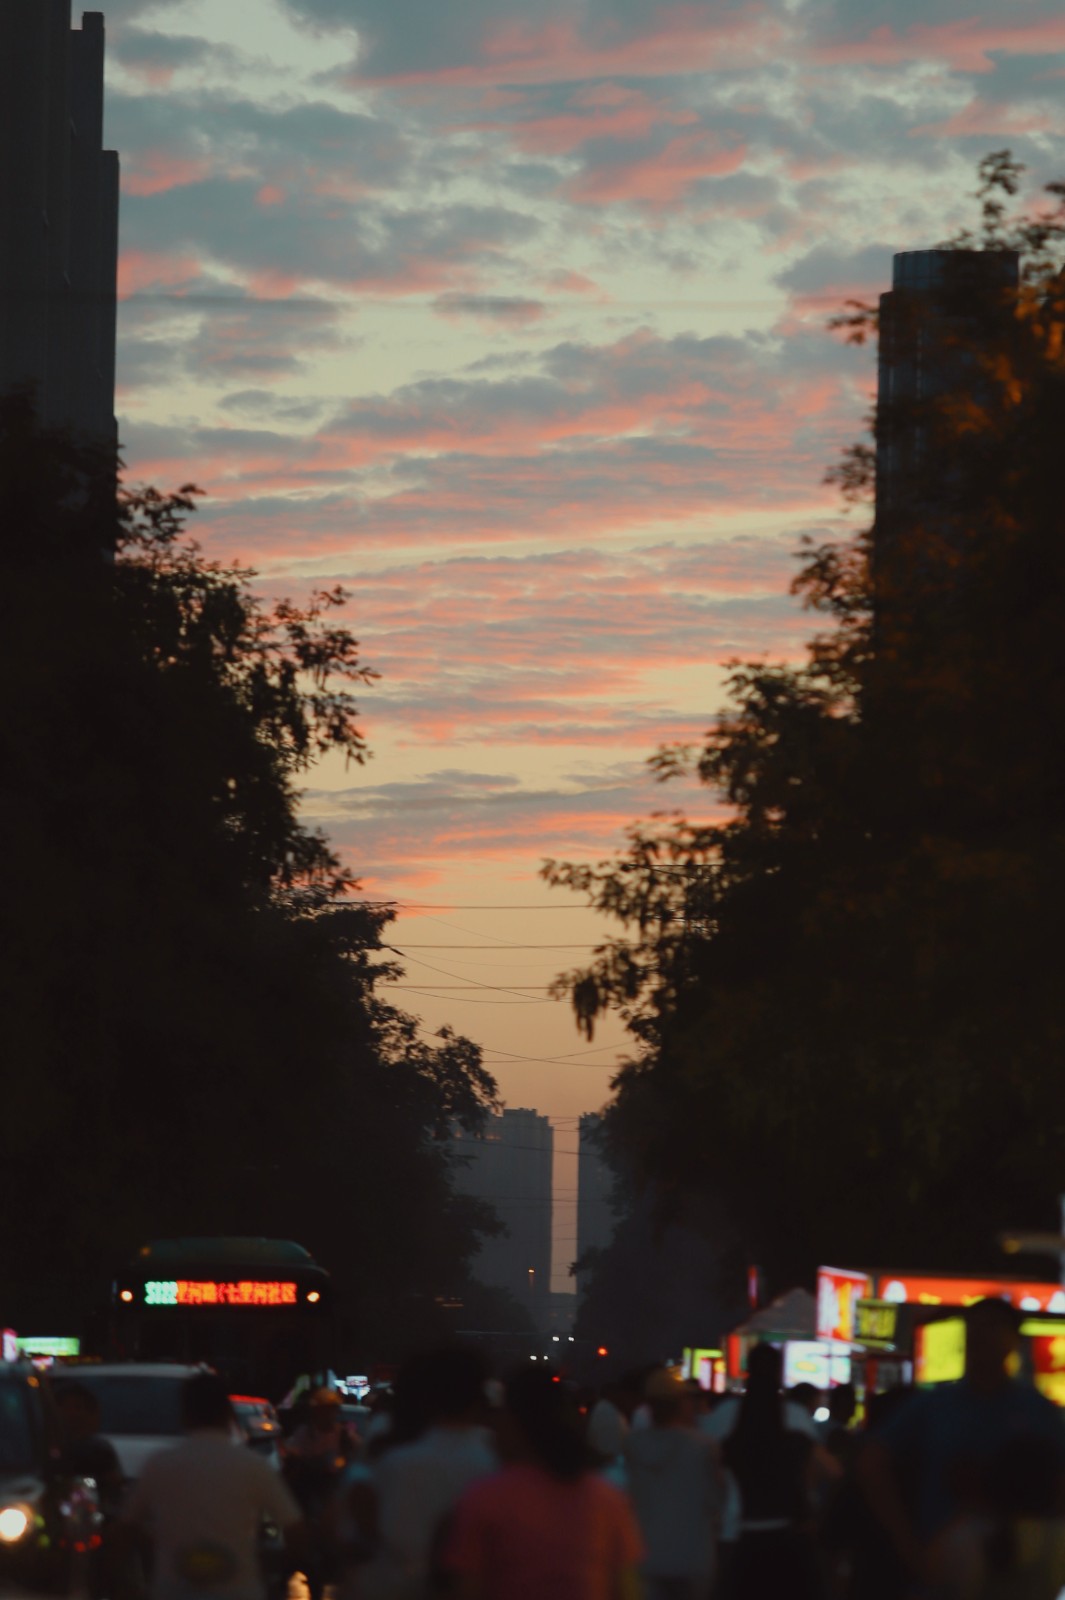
(939, 1351)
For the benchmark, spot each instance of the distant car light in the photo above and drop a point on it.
(822, 1414)
(15, 1523)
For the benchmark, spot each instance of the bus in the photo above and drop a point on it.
(259, 1311)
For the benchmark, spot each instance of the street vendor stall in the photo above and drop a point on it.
(790, 1323)
(905, 1327)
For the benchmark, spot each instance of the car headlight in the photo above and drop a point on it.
(15, 1523)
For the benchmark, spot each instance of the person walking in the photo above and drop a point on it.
(202, 1505)
(719, 1424)
(772, 1466)
(547, 1524)
(402, 1503)
(676, 1488)
(942, 1443)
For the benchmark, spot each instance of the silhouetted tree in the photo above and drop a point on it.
(192, 1040)
(846, 1000)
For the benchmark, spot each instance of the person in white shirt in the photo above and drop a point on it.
(202, 1505)
(440, 1399)
(675, 1486)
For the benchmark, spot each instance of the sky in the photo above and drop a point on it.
(511, 318)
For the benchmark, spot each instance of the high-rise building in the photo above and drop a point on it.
(510, 1167)
(58, 218)
(930, 336)
(595, 1184)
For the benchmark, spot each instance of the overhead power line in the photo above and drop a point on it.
(454, 905)
(589, 1050)
(470, 983)
(469, 1000)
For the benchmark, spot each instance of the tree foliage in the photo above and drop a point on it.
(846, 997)
(193, 1040)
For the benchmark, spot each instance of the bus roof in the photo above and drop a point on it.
(231, 1251)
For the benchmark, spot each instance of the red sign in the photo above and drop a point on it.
(838, 1291)
(1048, 1365)
(209, 1292)
(905, 1289)
(245, 1293)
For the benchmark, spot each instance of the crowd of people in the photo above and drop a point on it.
(532, 1490)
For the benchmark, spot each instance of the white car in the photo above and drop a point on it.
(140, 1406)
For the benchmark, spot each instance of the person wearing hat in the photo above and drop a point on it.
(676, 1489)
(314, 1458)
(323, 1438)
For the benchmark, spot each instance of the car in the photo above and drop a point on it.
(259, 1426)
(140, 1406)
(50, 1521)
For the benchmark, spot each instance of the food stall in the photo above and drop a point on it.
(905, 1327)
(790, 1323)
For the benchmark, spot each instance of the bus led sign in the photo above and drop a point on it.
(200, 1292)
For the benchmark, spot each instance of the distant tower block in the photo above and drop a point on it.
(511, 1169)
(58, 218)
(595, 1182)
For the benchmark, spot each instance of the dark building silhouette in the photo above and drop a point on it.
(58, 218)
(596, 1221)
(510, 1167)
(930, 337)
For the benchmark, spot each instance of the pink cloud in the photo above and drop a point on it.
(631, 118)
(156, 171)
(967, 45)
(568, 282)
(139, 270)
(662, 178)
(669, 39)
(989, 118)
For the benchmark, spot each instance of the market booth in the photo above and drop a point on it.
(790, 1323)
(906, 1327)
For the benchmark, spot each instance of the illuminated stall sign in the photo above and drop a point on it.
(806, 1361)
(1046, 1353)
(702, 1365)
(49, 1345)
(939, 1352)
(911, 1289)
(876, 1323)
(838, 1292)
(200, 1292)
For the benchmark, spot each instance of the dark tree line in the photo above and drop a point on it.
(846, 1001)
(192, 1037)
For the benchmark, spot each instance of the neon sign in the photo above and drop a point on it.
(197, 1292)
(906, 1289)
(838, 1293)
(49, 1346)
(939, 1352)
(876, 1322)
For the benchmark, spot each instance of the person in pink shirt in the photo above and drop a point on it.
(547, 1524)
